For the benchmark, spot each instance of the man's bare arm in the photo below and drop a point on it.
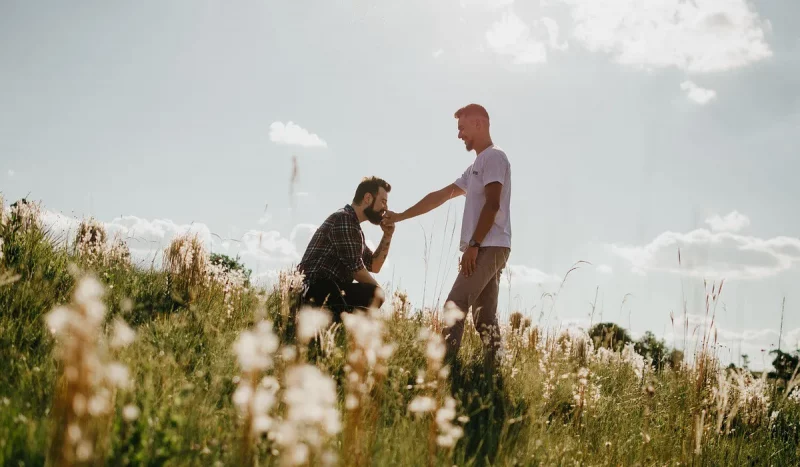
(431, 201)
(363, 276)
(489, 211)
(380, 254)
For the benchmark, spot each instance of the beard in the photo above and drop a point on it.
(372, 215)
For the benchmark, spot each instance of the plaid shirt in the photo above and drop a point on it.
(337, 249)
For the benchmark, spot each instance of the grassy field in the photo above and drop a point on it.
(105, 363)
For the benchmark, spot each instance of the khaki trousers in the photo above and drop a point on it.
(479, 292)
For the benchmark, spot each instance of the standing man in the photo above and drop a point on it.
(485, 230)
(337, 253)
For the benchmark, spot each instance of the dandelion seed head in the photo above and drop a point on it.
(242, 395)
(130, 413)
(74, 433)
(117, 374)
(59, 318)
(84, 451)
(98, 405)
(452, 314)
(123, 334)
(421, 404)
(311, 321)
(79, 404)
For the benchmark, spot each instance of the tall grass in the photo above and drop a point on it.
(211, 380)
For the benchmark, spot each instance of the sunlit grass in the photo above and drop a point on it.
(219, 374)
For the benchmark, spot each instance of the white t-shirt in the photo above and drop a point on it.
(491, 165)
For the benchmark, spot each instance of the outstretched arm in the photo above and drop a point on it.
(431, 201)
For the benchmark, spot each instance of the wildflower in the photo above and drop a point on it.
(311, 414)
(421, 404)
(367, 365)
(794, 396)
(449, 433)
(123, 334)
(130, 413)
(255, 348)
(452, 314)
(311, 321)
(400, 304)
(89, 376)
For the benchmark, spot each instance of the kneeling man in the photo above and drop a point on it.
(337, 254)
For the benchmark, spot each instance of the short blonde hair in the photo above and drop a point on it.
(472, 109)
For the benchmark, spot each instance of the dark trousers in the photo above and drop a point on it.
(339, 298)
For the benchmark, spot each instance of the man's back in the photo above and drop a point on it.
(337, 249)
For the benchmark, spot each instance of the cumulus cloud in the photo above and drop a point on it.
(527, 44)
(700, 36)
(697, 94)
(294, 135)
(521, 274)
(11, 173)
(714, 254)
(733, 222)
(511, 36)
(746, 341)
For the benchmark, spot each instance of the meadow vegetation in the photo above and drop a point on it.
(186, 363)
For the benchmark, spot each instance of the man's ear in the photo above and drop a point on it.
(368, 201)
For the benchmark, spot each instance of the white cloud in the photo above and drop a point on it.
(604, 269)
(292, 134)
(552, 33)
(511, 36)
(486, 4)
(731, 342)
(437, 53)
(714, 254)
(11, 173)
(697, 94)
(697, 36)
(526, 275)
(733, 222)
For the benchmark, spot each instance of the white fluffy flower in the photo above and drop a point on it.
(421, 404)
(123, 334)
(310, 321)
(254, 349)
(452, 314)
(130, 413)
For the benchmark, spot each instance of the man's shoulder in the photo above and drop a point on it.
(340, 216)
(494, 155)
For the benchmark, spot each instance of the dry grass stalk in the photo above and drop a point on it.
(91, 244)
(88, 379)
(186, 261)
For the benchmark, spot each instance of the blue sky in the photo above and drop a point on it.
(633, 128)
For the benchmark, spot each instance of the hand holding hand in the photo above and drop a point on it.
(390, 217)
(387, 227)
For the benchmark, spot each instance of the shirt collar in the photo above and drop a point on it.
(349, 209)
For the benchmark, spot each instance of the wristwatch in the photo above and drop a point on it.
(474, 243)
